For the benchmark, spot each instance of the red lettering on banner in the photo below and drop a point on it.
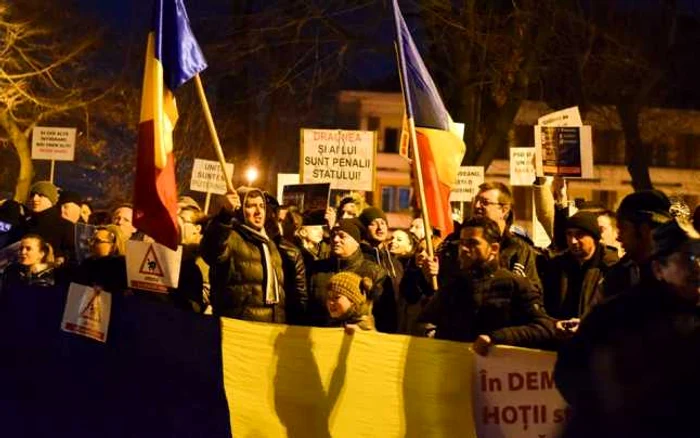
(515, 382)
(509, 415)
(488, 416)
(530, 381)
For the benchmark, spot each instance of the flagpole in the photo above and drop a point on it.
(421, 196)
(212, 131)
(418, 170)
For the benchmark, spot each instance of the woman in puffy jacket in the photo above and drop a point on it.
(34, 265)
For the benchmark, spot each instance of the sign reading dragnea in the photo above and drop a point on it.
(345, 159)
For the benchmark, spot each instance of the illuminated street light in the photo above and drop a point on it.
(251, 175)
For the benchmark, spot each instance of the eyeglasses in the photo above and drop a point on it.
(93, 241)
(485, 202)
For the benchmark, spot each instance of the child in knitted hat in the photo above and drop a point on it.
(346, 301)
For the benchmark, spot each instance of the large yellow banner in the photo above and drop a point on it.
(311, 382)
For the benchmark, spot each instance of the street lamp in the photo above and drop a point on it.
(251, 174)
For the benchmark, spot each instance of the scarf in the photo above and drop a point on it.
(271, 286)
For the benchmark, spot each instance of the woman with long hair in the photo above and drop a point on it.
(34, 265)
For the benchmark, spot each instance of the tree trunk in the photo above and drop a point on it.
(636, 154)
(21, 144)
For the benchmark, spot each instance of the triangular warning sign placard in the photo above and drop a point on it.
(150, 264)
(92, 310)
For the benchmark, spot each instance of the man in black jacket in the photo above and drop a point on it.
(375, 246)
(245, 266)
(632, 367)
(484, 303)
(573, 278)
(346, 255)
(45, 220)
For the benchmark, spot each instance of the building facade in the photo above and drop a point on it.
(673, 135)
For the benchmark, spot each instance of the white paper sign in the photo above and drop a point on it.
(208, 177)
(53, 143)
(468, 180)
(87, 312)
(566, 117)
(515, 395)
(286, 179)
(522, 166)
(345, 159)
(152, 266)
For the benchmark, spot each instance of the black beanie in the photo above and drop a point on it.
(351, 226)
(586, 221)
(371, 213)
(651, 206)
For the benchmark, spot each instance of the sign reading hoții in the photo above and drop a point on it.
(345, 159)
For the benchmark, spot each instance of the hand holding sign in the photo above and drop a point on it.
(233, 201)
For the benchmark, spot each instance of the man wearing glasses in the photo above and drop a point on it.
(495, 201)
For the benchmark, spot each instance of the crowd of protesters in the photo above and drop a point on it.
(612, 289)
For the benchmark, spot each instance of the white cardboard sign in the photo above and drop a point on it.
(468, 180)
(345, 159)
(286, 179)
(522, 166)
(566, 117)
(87, 312)
(515, 395)
(53, 143)
(152, 266)
(208, 177)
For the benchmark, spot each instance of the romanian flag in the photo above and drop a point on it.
(172, 58)
(440, 146)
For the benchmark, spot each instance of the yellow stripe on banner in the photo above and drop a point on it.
(158, 104)
(448, 151)
(310, 382)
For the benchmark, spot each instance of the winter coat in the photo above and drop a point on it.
(385, 310)
(16, 274)
(564, 268)
(295, 285)
(490, 301)
(631, 368)
(520, 257)
(323, 270)
(236, 274)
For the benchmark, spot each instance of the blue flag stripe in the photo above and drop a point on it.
(176, 47)
(423, 102)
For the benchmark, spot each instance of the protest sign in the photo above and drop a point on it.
(566, 117)
(522, 166)
(208, 177)
(515, 394)
(285, 179)
(308, 197)
(345, 159)
(564, 151)
(152, 266)
(53, 143)
(468, 180)
(87, 312)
